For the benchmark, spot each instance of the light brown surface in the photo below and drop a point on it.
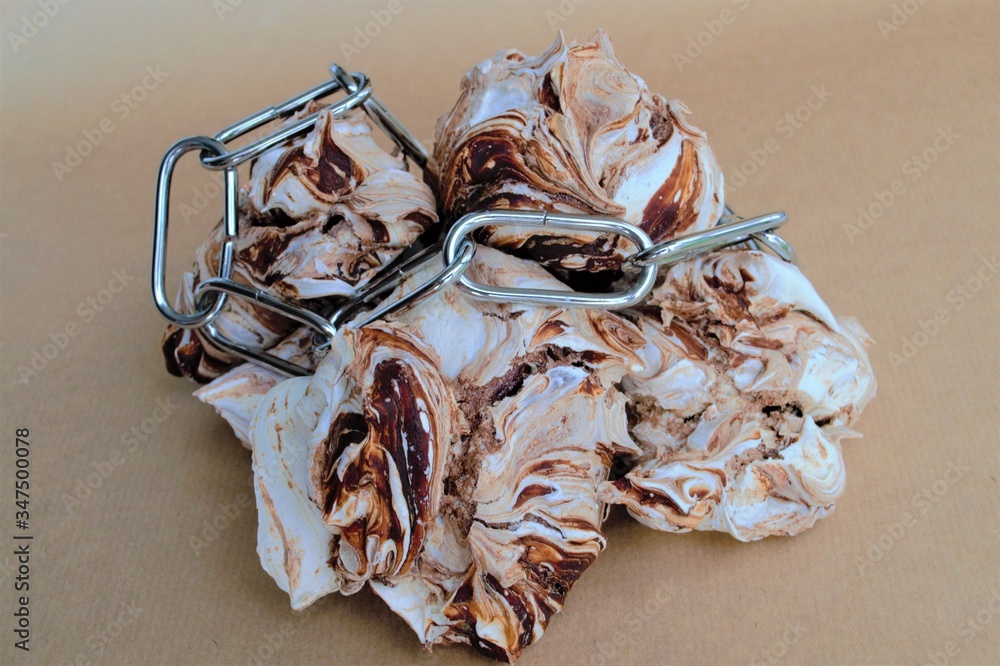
(686, 599)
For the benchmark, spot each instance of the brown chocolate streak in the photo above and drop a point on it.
(664, 217)
(393, 404)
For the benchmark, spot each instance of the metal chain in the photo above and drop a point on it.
(726, 234)
(213, 292)
(540, 219)
(455, 252)
(230, 225)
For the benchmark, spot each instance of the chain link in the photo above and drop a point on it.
(230, 223)
(723, 235)
(456, 252)
(214, 291)
(355, 99)
(387, 122)
(540, 219)
(452, 271)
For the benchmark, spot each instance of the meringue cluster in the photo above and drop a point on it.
(459, 457)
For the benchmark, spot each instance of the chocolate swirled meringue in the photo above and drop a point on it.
(451, 458)
(573, 131)
(236, 393)
(459, 456)
(749, 387)
(319, 217)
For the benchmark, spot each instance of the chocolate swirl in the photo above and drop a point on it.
(319, 217)
(454, 461)
(748, 387)
(573, 131)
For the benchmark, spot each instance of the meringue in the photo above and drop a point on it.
(459, 457)
(750, 385)
(319, 217)
(450, 457)
(573, 131)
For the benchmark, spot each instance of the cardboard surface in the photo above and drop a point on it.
(905, 571)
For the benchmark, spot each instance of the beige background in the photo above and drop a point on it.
(115, 577)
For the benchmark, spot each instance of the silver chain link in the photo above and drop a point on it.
(214, 291)
(460, 231)
(456, 252)
(730, 232)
